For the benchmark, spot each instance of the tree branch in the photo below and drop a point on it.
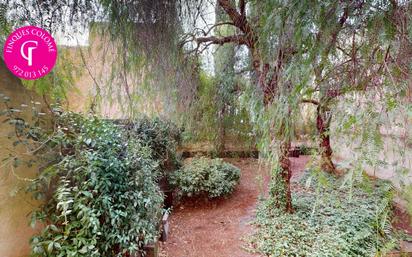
(310, 101)
(239, 21)
(242, 7)
(205, 33)
(238, 39)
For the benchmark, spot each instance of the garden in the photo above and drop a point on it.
(208, 128)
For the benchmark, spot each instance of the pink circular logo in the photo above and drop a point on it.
(30, 52)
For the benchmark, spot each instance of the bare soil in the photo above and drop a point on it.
(217, 228)
(402, 221)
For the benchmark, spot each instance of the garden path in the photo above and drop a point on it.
(217, 228)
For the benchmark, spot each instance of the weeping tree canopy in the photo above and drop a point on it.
(313, 52)
(143, 39)
(285, 54)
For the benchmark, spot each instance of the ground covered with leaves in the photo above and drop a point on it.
(331, 218)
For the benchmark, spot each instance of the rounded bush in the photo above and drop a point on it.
(205, 177)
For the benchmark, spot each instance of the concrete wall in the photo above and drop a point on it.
(15, 206)
(396, 153)
(96, 63)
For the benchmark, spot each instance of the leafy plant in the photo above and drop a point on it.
(205, 177)
(224, 120)
(101, 197)
(161, 136)
(97, 186)
(328, 222)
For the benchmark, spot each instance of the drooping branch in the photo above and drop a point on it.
(310, 101)
(216, 25)
(341, 23)
(238, 39)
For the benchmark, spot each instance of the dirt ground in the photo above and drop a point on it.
(402, 221)
(217, 228)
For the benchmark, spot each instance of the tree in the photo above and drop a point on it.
(268, 78)
(348, 57)
(301, 50)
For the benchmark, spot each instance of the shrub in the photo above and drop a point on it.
(329, 220)
(99, 191)
(205, 177)
(161, 136)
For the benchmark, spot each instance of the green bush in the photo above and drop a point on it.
(205, 177)
(329, 220)
(99, 190)
(161, 136)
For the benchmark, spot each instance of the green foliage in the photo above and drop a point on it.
(59, 81)
(204, 126)
(277, 186)
(206, 177)
(326, 222)
(161, 136)
(97, 185)
(203, 113)
(306, 150)
(150, 62)
(101, 196)
(227, 115)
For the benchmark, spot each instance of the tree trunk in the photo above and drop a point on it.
(279, 190)
(221, 133)
(323, 120)
(286, 174)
